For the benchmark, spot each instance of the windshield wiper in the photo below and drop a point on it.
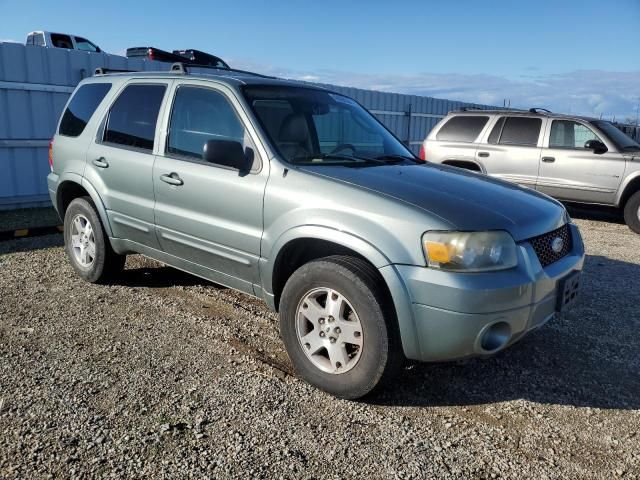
(392, 157)
(334, 156)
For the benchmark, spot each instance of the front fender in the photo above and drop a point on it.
(318, 232)
(628, 180)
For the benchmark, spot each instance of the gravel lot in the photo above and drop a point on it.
(166, 375)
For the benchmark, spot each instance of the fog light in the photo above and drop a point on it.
(495, 337)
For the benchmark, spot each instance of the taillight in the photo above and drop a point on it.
(151, 54)
(422, 154)
(51, 154)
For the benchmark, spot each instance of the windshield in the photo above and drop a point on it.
(622, 142)
(310, 126)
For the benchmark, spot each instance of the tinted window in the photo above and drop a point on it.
(85, 45)
(521, 131)
(462, 128)
(133, 116)
(567, 134)
(30, 40)
(201, 114)
(61, 41)
(81, 108)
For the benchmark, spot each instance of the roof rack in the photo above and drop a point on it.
(539, 110)
(104, 71)
(466, 109)
(181, 68)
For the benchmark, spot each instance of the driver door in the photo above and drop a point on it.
(569, 171)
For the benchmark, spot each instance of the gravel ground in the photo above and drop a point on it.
(166, 375)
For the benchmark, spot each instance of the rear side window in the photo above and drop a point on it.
(61, 41)
(132, 118)
(81, 108)
(464, 128)
(517, 131)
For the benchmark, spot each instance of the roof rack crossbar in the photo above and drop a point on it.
(104, 71)
(538, 110)
(181, 68)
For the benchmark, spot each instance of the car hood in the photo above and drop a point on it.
(464, 200)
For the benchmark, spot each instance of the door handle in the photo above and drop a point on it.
(483, 154)
(548, 159)
(100, 162)
(172, 179)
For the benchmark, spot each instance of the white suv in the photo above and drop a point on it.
(576, 159)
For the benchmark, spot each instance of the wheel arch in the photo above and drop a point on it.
(630, 186)
(321, 241)
(70, 188)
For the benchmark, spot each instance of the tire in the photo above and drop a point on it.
(87, 244)
(364, 305)
(632, 212)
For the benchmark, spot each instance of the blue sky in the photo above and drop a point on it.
(573, 56)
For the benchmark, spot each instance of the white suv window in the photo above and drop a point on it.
(463, 128)
(569, 134)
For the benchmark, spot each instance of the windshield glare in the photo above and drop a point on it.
(618, 137)
(309, 126)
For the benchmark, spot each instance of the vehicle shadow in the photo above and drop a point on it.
(160, 276)
(589, 358)
(595, 212)
(31, 243)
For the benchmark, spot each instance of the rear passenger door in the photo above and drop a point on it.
(120, 160)
(208, 214)
(512, 149)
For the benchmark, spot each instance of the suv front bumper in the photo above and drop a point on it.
(460, 315)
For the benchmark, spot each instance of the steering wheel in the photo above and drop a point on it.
(344, 146)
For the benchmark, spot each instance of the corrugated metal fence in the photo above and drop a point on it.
(35, 83)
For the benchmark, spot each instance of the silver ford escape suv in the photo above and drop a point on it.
(299, 196)
(575, 159)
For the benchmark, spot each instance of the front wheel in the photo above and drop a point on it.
(339, 327)
(632, 212)
(87, 244)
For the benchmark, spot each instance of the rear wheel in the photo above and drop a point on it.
(87, 244)
(632, 212)
(338, 326)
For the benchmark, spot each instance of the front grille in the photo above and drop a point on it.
(543, 245)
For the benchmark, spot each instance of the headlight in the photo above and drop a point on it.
(470, 251)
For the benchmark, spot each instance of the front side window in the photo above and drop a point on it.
(81, 108)
(202, 114)
(133, 116)
(523, 131)
(463, 128)
(312, 126)
(568, 134)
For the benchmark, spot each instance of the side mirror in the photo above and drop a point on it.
(227, 153)
(596, 145)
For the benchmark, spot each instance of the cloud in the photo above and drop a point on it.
(580, 92)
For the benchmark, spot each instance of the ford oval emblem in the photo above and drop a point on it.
(557, 244)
